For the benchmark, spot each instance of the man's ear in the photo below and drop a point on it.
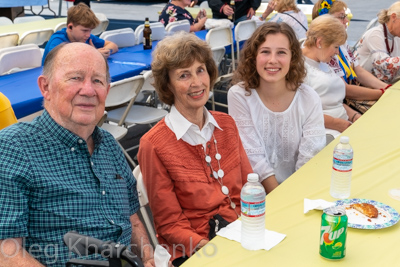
(43, 83)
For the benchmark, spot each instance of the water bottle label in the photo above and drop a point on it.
(342, 165)
(253, 209)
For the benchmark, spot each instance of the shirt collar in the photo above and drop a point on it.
(181, 125)
(64, 135)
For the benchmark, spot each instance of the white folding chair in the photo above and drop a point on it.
(243, 31)
(176, 26)
(60, 26)
(17, 58)
(204, 5)
(220, 79)
(221, 37)
(157, 32)
(143, 201)
(120, 38)
(5, 21)
(8, 39)
(103, 24)
(27, 19)
(38, 37)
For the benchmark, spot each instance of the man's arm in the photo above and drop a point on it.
(13, 254)
(141, 240)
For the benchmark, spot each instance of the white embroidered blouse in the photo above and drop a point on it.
(278, 142)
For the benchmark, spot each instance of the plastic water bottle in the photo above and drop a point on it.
(253, 213)
(341, 169)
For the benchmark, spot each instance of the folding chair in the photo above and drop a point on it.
(27, 19)
(144, 200)
(5, 21)
(60, 26)
(121, 38)
(17, 58)
(103, 24)
(157, 32)
(243, 31)
(176, 26)
(221, 37)
(9, 39)
(221, 79)
(38, 37)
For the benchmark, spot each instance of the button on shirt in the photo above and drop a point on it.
(50, 185)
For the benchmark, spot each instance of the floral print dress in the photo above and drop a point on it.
(173, 13)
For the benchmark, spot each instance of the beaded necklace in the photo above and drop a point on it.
(386, 40)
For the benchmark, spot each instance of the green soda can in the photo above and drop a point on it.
(332, 244)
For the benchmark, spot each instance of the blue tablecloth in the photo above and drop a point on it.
(15, 3)
(23, 92)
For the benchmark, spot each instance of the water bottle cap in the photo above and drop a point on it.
(344, 139)
(252, 177)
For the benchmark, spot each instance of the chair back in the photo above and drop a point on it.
(123, 92)
(144, 200)
(5, 21)
(218, 54)
(38, 37)
(157, 32)
(8, 39)
(179, 25)
(243, 31)
(102, 25)
(221, 37)
(60, 26)
(204, 5)
(21, 57)
(27, 19)
(122, 38)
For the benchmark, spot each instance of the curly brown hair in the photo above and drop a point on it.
(247, 70)
(179, 51)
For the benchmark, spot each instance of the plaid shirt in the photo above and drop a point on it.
(50, 184)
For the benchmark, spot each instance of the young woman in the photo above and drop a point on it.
(279, 118)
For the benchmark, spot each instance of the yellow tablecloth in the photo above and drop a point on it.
(21, 28)
(375, 138)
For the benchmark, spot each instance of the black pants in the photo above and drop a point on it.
(87, 2)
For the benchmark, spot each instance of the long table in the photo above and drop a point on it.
(375, 140)
(16, 3)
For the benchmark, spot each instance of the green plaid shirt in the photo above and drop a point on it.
(50, 184)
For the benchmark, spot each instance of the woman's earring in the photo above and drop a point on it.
(319, 47)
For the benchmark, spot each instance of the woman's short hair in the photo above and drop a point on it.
(384, 14)
(82, 15)
(336, 6)
(286, 5)
(247, 69)
(179, 51)
(328, 28)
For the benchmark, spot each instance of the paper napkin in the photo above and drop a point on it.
(161, 256)
(317, 204)
(233, 232)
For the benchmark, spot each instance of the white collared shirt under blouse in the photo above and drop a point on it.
(278, 142)
(190, 132)
(330, 88)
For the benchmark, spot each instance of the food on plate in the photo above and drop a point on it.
(366, 209)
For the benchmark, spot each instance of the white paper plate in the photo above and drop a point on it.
(387, 216)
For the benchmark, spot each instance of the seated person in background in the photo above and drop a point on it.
(80, 22)
(379, 49)
(280, 119)
(7, 116)
(244, 10)
(87, 2)
(289, 13)
(362, 88)
(324, 36)
(62, 173)
(193, 161)
(175, 10)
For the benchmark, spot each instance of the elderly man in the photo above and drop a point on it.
(80, 22)
(61, 172)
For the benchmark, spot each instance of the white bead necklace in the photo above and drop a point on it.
(218, 175)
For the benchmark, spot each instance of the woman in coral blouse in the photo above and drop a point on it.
(193, 161)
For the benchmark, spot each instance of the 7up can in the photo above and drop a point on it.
(332, 243)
